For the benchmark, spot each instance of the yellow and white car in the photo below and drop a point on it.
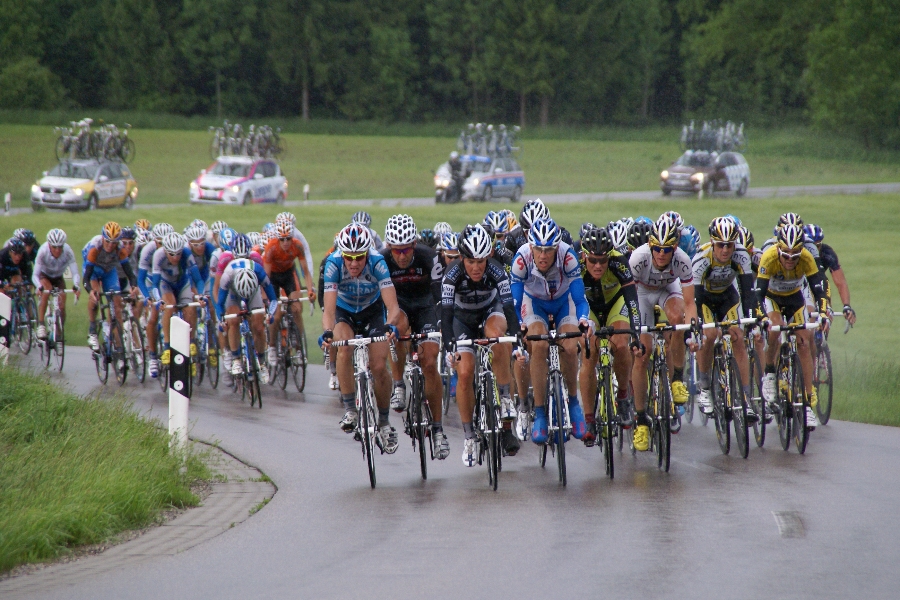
(85, 184)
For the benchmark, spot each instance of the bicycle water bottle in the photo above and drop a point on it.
(106, 329)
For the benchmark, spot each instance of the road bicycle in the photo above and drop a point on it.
(366, 430)
(160, 342)
(446, 377)
(756, 400)
(54, 345)
(207, 342)
(417, 419)
(606, 414)
(727, 391)
(248, 382)
(290, 348)
(791, 392)
(660, 406)
(23, 324)
(690, 371)
(486, 419)
(110, 349)
(823, 376)
(557, 405)
(133, 339)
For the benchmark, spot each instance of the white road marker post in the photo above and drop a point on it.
(5, 319)
(305, 192)
(179, 380)
(7, 201)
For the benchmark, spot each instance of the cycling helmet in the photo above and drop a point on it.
(442, 227)
(195, 232)
(27, 236)
(245, 282)
(639, 234)
(643, 219)
(723, 229)
(16, 245)
(790, 238)
(454, 155)
(544, 233)
(627, 222)
(585, 227)
(354, 239)
(218, 226)
(737, 222)
(400, 230)
(174, 243)
(268, 227)
(789, 218)
(226, 238)
(475, 242)
(427, 237)
(510, 218)
(361, 217)
(255, 238)
(286, 216)
(597, 241)
(676, 218)
(241, 246)
(531, 212)
(128, 233)
(283, 229)
(663, 232)
(449, 241)
(618, 234)
(112, 231)
(56, 237)
(497, 222)
(143, 236)
(690, 240)
(264, 237)
(745, 238)
(161, 230)
(200, 222)
(814, 233)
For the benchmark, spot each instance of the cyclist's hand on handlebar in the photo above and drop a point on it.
(311, 294)
(325, 339)
(221, 326)
(585, 326)
(521, 355)
(637, 348)
(849, 314)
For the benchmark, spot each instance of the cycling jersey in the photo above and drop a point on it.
(45, 265)
(204, 260)
(783, 282)
(461, 296)
(279, 260)
(226, 290)
(30, 255)
(355, 294)
(102, 265)
(713, 279)
(518, 237)
(9, 270)
(177, 276)
(559, 291)
(616, 283)
(145, 267)
(647, 275)
(418, 284)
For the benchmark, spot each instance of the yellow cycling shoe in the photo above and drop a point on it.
(213, 357)
(642, 438)
(164, 358)
(813, 398)
(193, 349)
(679, 392)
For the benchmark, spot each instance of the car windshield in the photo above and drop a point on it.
(481, 167)
(66, 169)
(231, 169)
(694, 159)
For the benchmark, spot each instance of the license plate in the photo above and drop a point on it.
(52, 197)
(212, 195)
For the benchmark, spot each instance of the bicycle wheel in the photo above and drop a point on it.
(785, 412)
(253, 380)
(490, 424)
(756, 400)
(59, 343)
(20, 327)
(45, 347)
(101, 361)
(608, 423)
(62, 147)
(692, 387)
(720, 398)
(283, 362)
(137, 354)
(416, 418)
(738, 410)
(800, 403)
(664, 395)
(213, 357)
(117, 353)
(128, 150)
(559, 414)
(299, 356)
(366, 424)
(823, 380)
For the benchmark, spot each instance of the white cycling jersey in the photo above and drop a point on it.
(550, 285)
(48, 266)
(648, 276)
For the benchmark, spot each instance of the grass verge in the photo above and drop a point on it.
(77, 471)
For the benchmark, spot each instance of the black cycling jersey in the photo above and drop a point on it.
(596, 291)
(460, 293)
(829, 258)
(9, 270)
(503, 255)
(419, 284)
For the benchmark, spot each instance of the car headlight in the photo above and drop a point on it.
(78, 192)
(134, 192)
(476, 181)
(194, 185)
(235, 188)
(664, 174)
(35, 189)
(698, 177)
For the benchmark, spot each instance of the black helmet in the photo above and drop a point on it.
(597, 241)
(427, 237)
(16, 245)
(128, 233)
(585, 228)
(639, 234)
(27, 236)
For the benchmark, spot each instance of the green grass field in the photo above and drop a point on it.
(382, 166)
(859, 227)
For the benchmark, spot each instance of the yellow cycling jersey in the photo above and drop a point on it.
(716, 277)
(784, 282)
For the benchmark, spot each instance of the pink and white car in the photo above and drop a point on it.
(240, 180)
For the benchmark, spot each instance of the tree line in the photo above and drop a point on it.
(527, 61)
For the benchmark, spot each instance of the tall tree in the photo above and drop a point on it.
(294, 44)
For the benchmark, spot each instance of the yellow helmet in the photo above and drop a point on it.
(142, 224)
(112, 231)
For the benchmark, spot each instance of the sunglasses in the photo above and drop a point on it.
(451, 256)
(545, 249)
(285, 239)
(723, 244)
(598, 260)
(402, 251)
(173, 254)
(788, 255)
(356, 257)
(663, 249)
(127, 242)
(198, 243)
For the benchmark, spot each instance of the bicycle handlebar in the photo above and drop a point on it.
(608, 331)
(419, 336)
(506, 339)
(811, 325)
(360, 341)
(553, 335)
(664, 328)
(286, 300)
(255, 311)
(185, 305)
(745, 321)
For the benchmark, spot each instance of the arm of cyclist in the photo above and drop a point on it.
(840, 282)
(308, 279)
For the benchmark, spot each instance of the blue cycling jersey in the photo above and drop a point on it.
(178, 275)
(355, 294)
(203, 260)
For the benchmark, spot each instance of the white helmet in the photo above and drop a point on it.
(532, 211)
(354, 238)
(255, 238)
(442, 227)
(245, 282)
(201, 223)
(174, 242)
(241, 246)
(195, 232)
(286, 215)
(475, 242)
(218, 226)
(618, 233)
(449, 241)
(161, 230)
(56, 237)
(400, 230)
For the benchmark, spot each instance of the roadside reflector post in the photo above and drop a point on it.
(5, 317)
(7, 201)
(179, 380)
(305, 192)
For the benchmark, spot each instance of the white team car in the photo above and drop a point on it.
(703, 173)
(240, 180)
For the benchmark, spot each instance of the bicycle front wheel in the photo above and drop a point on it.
(608, 421)
(756, 400)
(738, 410)
(721, 404)
(692, 387)
(664, 396)
(800, 402)
(212, 356)
(559, 413)
(59, 343)
(117, 353)
(785, 403)
(137, 354)
(416, 419)
(367, 424)
(283, 364)
(823, 379)
(299, 357)
(101, 361)
(22, 327)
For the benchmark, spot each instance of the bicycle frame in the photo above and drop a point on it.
(609, 423)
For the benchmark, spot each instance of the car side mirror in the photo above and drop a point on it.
(257, 176)
(103, 178)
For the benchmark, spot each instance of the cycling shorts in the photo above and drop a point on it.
(254, 302)
(182, 295)
(648, 298)
(725, 306)
(368, 322)
(469, 325)
(792, 307)
(286, 280)
(54, 282)
(109, 280)
(422, 319)
(618, 313)
(562, 310)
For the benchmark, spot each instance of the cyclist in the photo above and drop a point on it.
(14, 267)
(365, 219)
(497, 227)
(27, 237)
(717, 267)
(610, 291)
(830, 262)
(662, 272)
(476, 302)
(53, 258)
(287, 216)
(145, 271)
(638, 235)
(281, 252)
(618, 235)
(216, 228)
(101, 275)
(416, 272)
(202, 251)
(175, 280)
(531, 212)
(358, 291)
(783, 269)
(546, 282)
(428, 238)
(448, 251)
(241, 281)
(442, 227)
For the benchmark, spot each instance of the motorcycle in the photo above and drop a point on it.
(446, 188)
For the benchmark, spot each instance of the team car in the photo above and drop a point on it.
(85, 184)
(702, 173)
(240, 180)
(487, 177)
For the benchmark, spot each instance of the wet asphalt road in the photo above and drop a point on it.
(707, 529)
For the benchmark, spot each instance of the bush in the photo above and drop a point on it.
(27, 84)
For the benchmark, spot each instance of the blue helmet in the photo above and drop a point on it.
(814, 233)
(643, 219)
(737, 222)
(690, 240)
(544, 233)
(241, 246)
(226, 238)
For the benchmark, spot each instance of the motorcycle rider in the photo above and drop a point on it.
(457, 173)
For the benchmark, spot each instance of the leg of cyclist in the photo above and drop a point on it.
(43, 299)
(274, 326)
(704, 361)
(258, 326)
(429, 351)
(343, 359)
(587, 381)
(522, 372)
(675, 307)
(168, 299)
(769, 390)
(495, 326)
(568, 358)
(378, 359)
(465, 401)
(540, 352)
(93, 303)
(398, 393)
(622, 364)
